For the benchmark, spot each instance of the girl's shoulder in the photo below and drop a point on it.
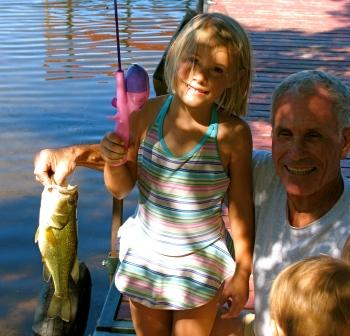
(155, 103)
(234, 139)
(150, 109)
(142, 119)
(232, 127)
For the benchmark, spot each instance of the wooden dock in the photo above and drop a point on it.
(287, 36)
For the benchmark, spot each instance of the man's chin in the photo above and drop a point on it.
(298, 190)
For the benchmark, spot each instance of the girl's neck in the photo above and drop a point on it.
(187, 114)
(183, 128)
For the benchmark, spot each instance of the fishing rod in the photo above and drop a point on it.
(116, 20)
(132, 90)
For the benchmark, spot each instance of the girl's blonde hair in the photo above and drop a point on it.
(312, 298)
(226, 32)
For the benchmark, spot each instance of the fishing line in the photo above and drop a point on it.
(72, 176)
(117, 34)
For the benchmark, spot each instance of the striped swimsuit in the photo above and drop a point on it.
(172, 252)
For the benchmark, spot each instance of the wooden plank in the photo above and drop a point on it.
(108, 323)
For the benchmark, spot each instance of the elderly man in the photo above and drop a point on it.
(301, 198)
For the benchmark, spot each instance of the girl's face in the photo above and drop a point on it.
(204, 74)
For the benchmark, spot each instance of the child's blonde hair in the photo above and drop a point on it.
(226, 32)
(312, 298)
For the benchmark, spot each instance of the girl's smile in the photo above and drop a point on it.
(202, 74)
(195, 90)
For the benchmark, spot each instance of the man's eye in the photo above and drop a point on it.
(313, 135)
(284, 133)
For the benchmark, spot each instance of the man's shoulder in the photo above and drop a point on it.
(261, 157)
(262, 164)
(264, 174)
(346, 184)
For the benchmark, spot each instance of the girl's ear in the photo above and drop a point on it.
(346, 144)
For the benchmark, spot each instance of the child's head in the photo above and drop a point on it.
(213, 30)
(312, 298)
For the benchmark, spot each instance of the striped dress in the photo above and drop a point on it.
(173, 253)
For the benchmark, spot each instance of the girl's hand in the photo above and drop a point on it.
(112, 148)
(235, 293)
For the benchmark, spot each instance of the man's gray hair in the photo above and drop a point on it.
(305, 83)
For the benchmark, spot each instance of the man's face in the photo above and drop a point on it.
(307, 145)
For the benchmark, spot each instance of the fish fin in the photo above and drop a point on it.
(59, 221)
(50, 237)
(60, 307)
(75, 271)
(36, 235)
(66, 310)
(46, 272)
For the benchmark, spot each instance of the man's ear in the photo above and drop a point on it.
(346, 145)
(345, 255)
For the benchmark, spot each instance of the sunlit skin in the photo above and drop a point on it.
(204, 75)
(307, 147)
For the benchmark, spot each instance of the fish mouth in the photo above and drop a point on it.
(195, 90)
(299, 171)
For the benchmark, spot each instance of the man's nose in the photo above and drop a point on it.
(297, 148)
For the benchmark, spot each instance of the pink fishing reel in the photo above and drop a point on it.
(136, 87)
(132, 93)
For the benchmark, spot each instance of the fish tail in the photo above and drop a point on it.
(60, 307)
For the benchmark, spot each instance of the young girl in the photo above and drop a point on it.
(188, 152)
(312, 297)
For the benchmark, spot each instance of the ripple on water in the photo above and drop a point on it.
(58, 59)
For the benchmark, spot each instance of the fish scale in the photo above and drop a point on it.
(58, 241)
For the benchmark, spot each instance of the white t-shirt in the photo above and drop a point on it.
(278, 244)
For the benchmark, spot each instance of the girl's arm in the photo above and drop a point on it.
(119, 178)
(241, 216)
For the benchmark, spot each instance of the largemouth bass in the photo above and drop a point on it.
(57, 240)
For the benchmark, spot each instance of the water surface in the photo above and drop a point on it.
(56, 85)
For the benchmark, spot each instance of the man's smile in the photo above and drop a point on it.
(299, 171)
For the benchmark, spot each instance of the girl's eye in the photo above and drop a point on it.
(191, 59)
(218, 70)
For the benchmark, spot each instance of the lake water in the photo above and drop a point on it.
(56, 84)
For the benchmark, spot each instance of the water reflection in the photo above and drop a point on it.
(80, 42)
(57, 64)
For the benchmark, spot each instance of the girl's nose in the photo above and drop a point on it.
(199, 72)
